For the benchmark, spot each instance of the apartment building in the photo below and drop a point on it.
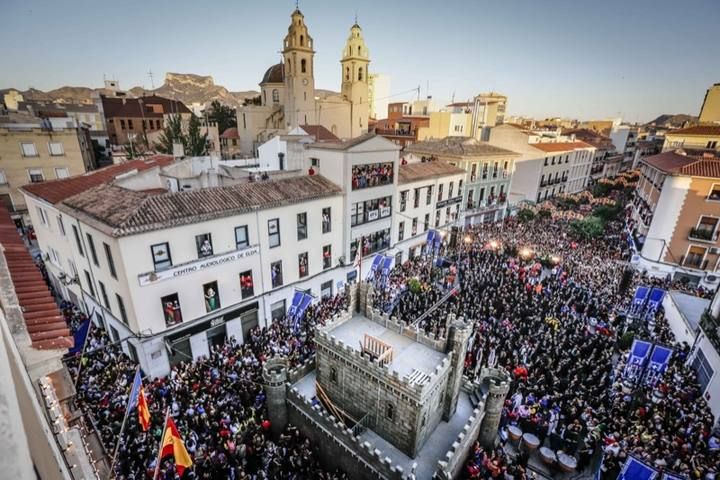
(625, 138)
(697, 139)
(488, 172)
(34, 150)
(676, 214)
(710, 110)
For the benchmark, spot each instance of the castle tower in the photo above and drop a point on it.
(458, 335)
(355, 60)
(498, 381)
(274, 378)
(298, 56)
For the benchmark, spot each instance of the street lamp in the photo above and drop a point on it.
(493, 244)
(525, 252)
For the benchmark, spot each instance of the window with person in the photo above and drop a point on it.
(303, 267)
(327, 256)
(326, 220)
(203, 243)
(247, 287)
(371, 175)
(171, 309)
(211, 296)
(276, 274)
(302, 231)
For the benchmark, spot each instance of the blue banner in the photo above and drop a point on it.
(655, 299)
(639, 300)
(297, 298)
(305, 301)
(659, 360)
(639, 354)
(387, 265)
(375, 265)
(80, 336)
(634, 469)
(673, 476)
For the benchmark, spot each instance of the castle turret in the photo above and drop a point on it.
(275, 377)
(498, 383)
(458, 335)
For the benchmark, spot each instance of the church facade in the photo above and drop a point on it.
(288, 98)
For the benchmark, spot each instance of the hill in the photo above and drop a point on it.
(675, 121)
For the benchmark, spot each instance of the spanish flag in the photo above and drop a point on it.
(137, 399)
(172, 444)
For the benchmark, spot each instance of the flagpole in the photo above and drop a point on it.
(160, 445)
(122, 427)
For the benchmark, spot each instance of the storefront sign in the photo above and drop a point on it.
(449, 201)
(197, 266)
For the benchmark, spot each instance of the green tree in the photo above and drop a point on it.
(588, 227)
(195, 143)
(607, 212)
(172, 133)
(525, 215)
(224, 115)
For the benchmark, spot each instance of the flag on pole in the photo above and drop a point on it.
(80, 336)
(172, 444)
(637, 359)
(137, 399)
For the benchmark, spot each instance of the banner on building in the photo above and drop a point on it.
(639, 354)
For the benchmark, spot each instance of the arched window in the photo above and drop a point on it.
(265, 97)
(303, 64)
(360, 73)
(302, 40)
(358, 50)
(347, 73)
(275, 96)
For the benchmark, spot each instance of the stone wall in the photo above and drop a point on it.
(340, 449)
(455, 458)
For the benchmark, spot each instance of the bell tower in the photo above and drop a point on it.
(298, 56)
(355, 60)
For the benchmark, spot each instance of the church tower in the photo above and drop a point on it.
(355, 60)
(299, 73)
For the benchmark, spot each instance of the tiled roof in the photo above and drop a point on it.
(344, 145)
(132, 107)
(119, 212)
(457, 146)
(45, 323)
(231, 132)
(320, 133)
(704, 130)
(55, 191)
(560, 146)
(679, 163)
(413, 172)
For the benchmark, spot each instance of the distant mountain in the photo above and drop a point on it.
(186, 87)
(676, 121)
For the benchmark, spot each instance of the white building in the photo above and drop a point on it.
(378, 95)
(625, 137)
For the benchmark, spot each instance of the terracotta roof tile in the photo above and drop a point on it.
(679, 163)
(231, 132)
(413, 172)
(55, 191)
(560, 146)
(704, 130)
(457, 146)
(320, 133)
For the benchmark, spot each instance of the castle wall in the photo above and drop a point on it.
(455, 458)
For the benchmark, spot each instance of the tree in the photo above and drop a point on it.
(224, 115)
(196, 145)
(172, 133)
(588, 227)
(525, 215)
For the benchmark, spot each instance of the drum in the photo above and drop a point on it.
(531, 441)
(566, 462)
(514, 432)
(547, 456)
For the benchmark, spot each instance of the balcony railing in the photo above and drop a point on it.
(711, 327)
(392, 132)
(703, 234)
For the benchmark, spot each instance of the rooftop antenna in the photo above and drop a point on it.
(356, 16)
(297, 4)
(152, 83)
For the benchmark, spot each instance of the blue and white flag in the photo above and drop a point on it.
(673, 476)
(377, 260)
(654, 300)
(387, 265)
(639, 300)
(80, 336)
(637, 359)
(634, 469)
(297, 298)
(659, 360)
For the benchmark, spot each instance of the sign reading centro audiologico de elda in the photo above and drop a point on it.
(198, 266)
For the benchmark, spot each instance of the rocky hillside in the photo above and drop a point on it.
(187, 87)
(674, 121)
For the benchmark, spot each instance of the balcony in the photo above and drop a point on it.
(703, 235)
(711, 328)
(392, 132)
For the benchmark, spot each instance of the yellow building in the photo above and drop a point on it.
(697, 138)
(710, 111)
(446, 124)
(32, 152)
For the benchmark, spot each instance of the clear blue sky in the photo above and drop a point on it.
(575, 58)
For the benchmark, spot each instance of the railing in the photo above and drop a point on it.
(395, 132)
(703, 234)
(362, 425)
(711, 328)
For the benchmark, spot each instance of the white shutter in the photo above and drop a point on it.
(56, 148)
(28, 149)
(3, 178)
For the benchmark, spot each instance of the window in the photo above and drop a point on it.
(414, 226)
(61, 226)
(93, 253)
(35, 175)
(161, 256)
(333, 374)
(485, 171)
(28, 149)
(416, 198)
(450, 189)
(705, 229)
(714, 192)
(372, 243)
(712, 144)
(371, 175)
(274, 232)
(326, 220)
(302, 226)
(109, 258)
(3, 178)
(247, 288)
(401, 231)
(426, 223)
(78, 243)
(276, 274)
(327, 257)
(171, 309)
(390, 411)
(242, 240)
(41, 214)
(315, 162)
(326, 289)
(703, 369)
(428, 196)
(495, 169)
(121, 307)
(277, 310)
(473, 172)
(103, 294)
(303, 66)
(89, 282)
(440, 193)
(130, 124)
(211, 296)
(437, 218)
(403, 200)
(122, 124)
(203, 243)
(56, 149)
(62, 172)
(546, 161)
(360, 74)
(695, 257)
(303, 268)
(275, 95)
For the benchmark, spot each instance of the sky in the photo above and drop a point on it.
(582, 59)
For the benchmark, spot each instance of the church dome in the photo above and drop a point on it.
(274, 74)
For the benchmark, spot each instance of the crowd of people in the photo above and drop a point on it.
(550, 309)
(217, 402)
